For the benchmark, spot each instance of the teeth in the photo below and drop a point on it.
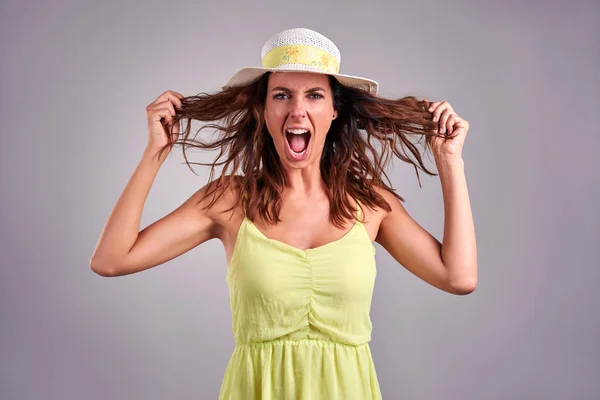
(297, 131)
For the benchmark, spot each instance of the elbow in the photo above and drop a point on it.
(101, 269)
(464, 287)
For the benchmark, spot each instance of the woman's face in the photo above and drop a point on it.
(298, 113)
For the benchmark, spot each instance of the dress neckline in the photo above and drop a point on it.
(297, 249)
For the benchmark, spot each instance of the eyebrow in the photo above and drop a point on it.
(283, 88)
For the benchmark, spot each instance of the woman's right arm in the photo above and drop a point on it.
(122, 249)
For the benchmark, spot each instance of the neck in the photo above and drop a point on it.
(305, 182)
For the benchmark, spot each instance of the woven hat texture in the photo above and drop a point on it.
(301, 49)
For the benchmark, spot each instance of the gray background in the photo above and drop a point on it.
(76, 77)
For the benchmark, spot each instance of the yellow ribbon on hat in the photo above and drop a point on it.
(301, 54)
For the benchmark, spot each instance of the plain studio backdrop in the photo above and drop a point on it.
(76, 77)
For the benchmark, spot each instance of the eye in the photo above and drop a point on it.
(280, 96)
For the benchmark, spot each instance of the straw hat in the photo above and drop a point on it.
(300, 49)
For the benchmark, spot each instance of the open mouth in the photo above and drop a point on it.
(298, 140)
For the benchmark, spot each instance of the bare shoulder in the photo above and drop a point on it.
(375, 216)
(397, 210)
(379, 214)
(220, 201)
(391, 199)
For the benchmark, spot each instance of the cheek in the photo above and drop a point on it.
(274, 121)
(273, 117)
(323, 121)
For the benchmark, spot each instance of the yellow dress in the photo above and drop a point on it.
(301, 319)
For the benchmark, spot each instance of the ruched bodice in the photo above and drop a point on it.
(301, 319)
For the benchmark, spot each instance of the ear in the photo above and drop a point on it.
(335, 114)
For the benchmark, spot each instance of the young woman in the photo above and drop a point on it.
(298, 205)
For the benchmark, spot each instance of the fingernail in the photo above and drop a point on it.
(430, 109)
(434, 118)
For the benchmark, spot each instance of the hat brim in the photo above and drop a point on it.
(249, 74)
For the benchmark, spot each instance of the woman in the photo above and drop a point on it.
(299, 203)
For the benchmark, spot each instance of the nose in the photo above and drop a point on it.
(298, 107)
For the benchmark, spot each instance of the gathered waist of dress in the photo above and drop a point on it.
(300, 342)
(301, 369)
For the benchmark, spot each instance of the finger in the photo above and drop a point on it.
(170, 113)
(168, 104)
(448, 112)
(159, 106)
(171, 96)
(170, 93)
(450, 123)
(177, 101)
(433, 106)
(162, 113)
(159, 114)
(158, 103)
(439, 109)
(179, 95)
(443, 118)
(174, 98)
(461, 124)
(166, 115)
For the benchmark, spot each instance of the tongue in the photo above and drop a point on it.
(298, 142)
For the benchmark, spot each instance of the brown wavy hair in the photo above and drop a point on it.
(360, 144)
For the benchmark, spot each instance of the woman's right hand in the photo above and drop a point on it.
(160, 118)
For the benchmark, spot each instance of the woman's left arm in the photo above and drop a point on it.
(459, 250)
(451, 266)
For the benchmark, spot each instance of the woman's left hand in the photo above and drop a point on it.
(449, 124)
